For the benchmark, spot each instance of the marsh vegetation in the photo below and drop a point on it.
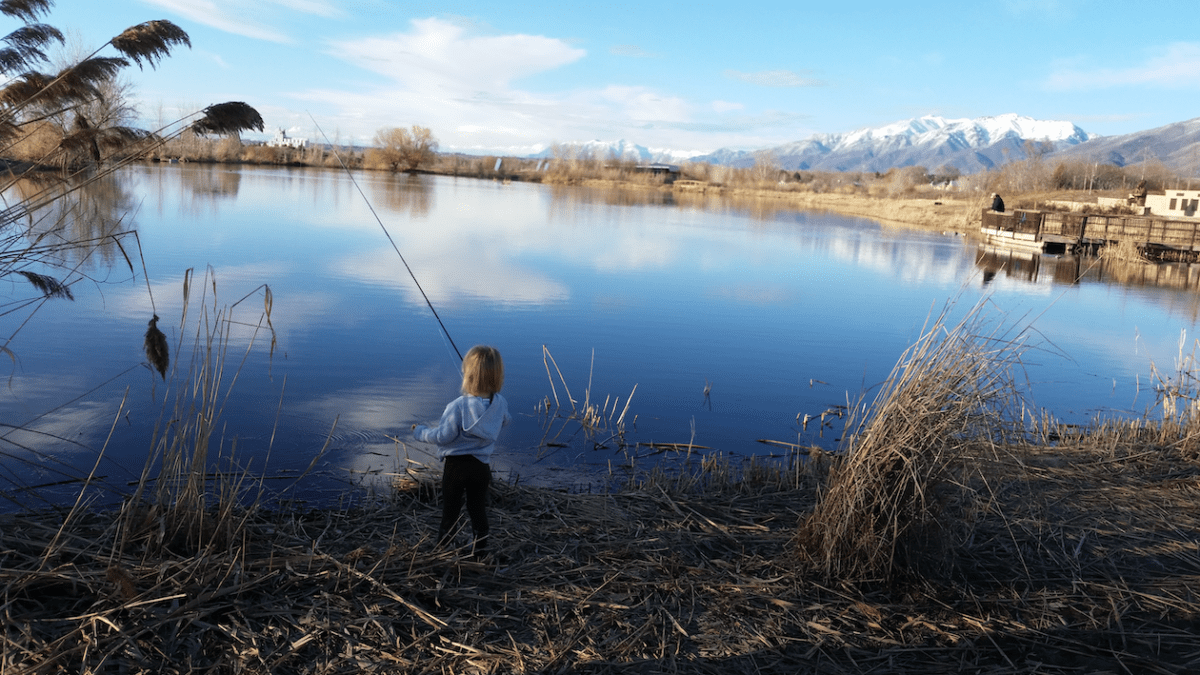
(951, 529)
(952, 533)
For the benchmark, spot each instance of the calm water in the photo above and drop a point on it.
(773, 313)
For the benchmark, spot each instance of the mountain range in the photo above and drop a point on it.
(968, 145)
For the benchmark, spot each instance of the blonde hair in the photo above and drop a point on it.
(483, 371)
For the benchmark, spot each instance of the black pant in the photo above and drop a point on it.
(465, 475)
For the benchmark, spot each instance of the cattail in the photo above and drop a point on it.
(156, 348)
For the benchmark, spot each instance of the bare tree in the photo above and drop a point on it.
(766, 166)
(405, 149)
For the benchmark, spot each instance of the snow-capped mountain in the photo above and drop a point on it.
(931, 141)
(621, 149)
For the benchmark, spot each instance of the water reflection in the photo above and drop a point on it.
(73, 224)
(1037, 269)
(212, 182)
(405, 193)
(567, 199)
(733, 318)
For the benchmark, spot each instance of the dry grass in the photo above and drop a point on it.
(900, 502)
(1081, 558)
(1084, 561)
(1073, 552)
(1122, 252)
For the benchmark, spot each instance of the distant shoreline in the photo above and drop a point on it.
(947, 212)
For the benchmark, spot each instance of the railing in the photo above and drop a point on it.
(1096, 229)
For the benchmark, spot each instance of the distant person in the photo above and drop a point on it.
(466, 438)
(997, 203)
(1139, 194)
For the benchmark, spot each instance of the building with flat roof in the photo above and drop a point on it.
(281, 140)
(1174, 203)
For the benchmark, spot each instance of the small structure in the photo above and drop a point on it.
(281, 140)
(1174, 204)
(1059, 232)
(656, 169)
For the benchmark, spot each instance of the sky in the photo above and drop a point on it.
(513, 78)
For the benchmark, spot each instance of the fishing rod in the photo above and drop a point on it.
(388, 235)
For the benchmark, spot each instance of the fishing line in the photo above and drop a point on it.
(388, 235)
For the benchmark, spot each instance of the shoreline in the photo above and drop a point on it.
(1072, 569)
(1037, 548)
(937, 211)
(942, 213)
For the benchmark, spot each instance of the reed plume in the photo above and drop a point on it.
(27, 46)
(150, 41)
(26, 10)
(228, 118)
(47, 285)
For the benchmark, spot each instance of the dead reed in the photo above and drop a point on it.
(1122, 252)
(1081, 556)
(900, 502)
(1083, 561)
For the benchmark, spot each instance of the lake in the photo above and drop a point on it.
(731, 319)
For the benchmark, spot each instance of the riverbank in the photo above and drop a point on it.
(941, 212)
(1083, 560)
(994, 543)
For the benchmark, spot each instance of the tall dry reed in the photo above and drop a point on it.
(182, 501)
(898, 502)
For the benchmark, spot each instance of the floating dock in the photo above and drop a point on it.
(1060, 232)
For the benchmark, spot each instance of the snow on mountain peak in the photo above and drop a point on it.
(979, 132)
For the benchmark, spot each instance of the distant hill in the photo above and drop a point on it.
(969, 145)
(621, 149)
(1176, 145)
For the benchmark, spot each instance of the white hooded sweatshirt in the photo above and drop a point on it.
(469, 426)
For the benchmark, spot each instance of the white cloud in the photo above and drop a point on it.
(774, 78)
(222, 16)
(466, 86)
(248, 19)
(1173, 67)
(642, 103)
(440, 55)
(314, 7)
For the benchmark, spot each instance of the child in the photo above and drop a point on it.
(466, 437)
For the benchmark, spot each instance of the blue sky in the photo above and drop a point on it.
(513, 77)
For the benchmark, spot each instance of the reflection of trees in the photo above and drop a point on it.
(207, 185)
(402, 193)
(79, 221)
(566, 200)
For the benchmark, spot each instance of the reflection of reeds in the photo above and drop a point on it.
(897, 501)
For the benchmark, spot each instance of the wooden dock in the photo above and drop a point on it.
(1059, 232)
